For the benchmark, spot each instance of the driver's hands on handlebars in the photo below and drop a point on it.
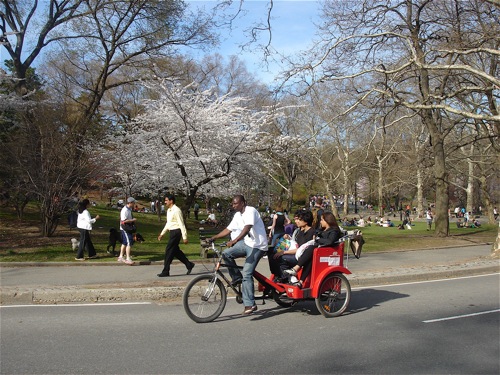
(208, 241)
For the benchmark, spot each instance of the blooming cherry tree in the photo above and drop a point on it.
(190, 140)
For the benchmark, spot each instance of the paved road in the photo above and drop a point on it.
(437, 327)
(101, 282)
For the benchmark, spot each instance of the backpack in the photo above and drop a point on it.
(316, 212)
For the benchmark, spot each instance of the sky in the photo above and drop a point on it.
(292, 25)
(292, 31)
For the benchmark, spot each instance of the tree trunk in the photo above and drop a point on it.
(420, 193)
(441, 179)
(335, 212)
(50, 220)
(289, 202)
(20, 201)
(486, 197)
(495, 252)
(433, 122)
(380, 188)
(470, 181)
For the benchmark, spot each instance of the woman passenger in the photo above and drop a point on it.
(330, 234)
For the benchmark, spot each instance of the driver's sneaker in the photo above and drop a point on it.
(249, 310)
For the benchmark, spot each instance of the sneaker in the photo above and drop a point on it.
(120, 259)
(298, 284)
(293, 279)
(291, 272)
(79, 258)
(129, 261)
(93, 257)
(249, 310)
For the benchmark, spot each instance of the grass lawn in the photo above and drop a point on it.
(21, 242)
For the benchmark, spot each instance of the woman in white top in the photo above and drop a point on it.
(428, 218)
(84, 225)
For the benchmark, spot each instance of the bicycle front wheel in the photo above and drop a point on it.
(334, 295)
(204, 298)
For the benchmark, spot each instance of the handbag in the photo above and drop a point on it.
(303, 247)
(129, 227)
(356, 243)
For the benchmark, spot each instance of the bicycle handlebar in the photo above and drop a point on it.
(214, 248)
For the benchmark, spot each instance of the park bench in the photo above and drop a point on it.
(204, 234)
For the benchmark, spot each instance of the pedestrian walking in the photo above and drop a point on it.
(127, 225)
(429, 218)
(196, 210)
(175, 225)
(84, 225)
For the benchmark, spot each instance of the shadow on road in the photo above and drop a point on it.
(362, 300)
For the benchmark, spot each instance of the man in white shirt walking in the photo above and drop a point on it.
(126, 217)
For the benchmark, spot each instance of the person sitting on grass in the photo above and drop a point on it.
(330, 234)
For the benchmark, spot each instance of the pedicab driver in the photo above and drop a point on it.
(250, 243)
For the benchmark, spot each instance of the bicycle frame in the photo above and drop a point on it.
(263, 280)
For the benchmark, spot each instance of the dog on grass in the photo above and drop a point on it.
(138, 238)
(74, 244)
(114, 237)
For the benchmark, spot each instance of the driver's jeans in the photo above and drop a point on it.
(253, 255)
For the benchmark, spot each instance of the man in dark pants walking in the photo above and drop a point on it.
(175, 225)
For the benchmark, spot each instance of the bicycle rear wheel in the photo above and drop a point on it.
(334, 295)
(204, 298)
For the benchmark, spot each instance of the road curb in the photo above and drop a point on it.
(65, 295)
(424, 276)
(74, 294)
